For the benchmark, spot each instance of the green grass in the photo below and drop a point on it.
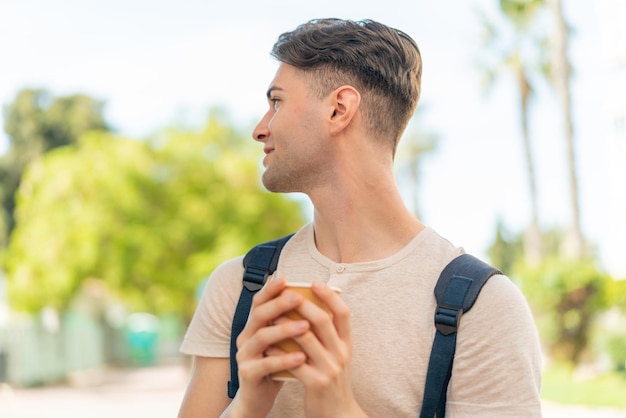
(560, 386)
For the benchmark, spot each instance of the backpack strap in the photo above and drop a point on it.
(259, 263)
(456, 291)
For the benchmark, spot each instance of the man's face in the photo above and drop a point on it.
(292, 134)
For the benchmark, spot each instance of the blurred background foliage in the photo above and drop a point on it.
(35, 123)
(150, 219)
(574, 300)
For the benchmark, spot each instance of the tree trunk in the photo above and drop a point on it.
(532, 238)
(574, 243)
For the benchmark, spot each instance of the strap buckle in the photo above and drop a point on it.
(254, 278)
(448, 318)
(259, 267)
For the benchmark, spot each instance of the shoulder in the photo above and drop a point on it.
(222, 288)
(501, 310)
(500, 296)
(208, 333)
(227, 275)
(498, 356)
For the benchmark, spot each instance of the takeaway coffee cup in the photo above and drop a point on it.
(289, 345)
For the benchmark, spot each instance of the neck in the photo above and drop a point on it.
(362, 218)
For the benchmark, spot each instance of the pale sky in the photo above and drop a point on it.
(158, 62)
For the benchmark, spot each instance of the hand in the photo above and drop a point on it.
(328, 346)
(257, 391)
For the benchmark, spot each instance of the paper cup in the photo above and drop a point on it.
(289, 345)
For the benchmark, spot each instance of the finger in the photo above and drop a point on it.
(252, 357)
(339, 311)
(324, 349)
(271, 289)
(319, 361)
(321, 324)
(258, 370)
(259, 342)
(278, 360)
(274, 308)
(268, 305)
(338, 308)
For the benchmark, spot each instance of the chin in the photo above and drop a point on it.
(276, 186)
(282, 181)
(270, 183)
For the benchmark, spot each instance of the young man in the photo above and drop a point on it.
(341, 98)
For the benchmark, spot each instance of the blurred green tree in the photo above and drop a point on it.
(566, 295)
(150, 219)
(617, 294)
(35, 123)
(506, 249)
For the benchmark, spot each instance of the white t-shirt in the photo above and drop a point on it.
(497, 367)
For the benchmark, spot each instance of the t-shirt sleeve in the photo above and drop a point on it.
(208, 334)
(497, 367)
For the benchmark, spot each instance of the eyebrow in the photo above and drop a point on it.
(271, 89)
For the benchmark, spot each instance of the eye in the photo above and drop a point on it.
(274, 101)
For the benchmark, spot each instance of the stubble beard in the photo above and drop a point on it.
(281, 180)
(297, 176)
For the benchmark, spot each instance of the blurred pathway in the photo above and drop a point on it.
(154, 392)
(563, 411)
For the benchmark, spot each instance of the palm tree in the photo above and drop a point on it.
(521, 57)
(561, 74)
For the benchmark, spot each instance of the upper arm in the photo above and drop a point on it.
(497, 366)
(207, 392)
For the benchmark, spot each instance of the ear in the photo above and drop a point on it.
(345, 102)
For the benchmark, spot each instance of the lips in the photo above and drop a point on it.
(267, 151)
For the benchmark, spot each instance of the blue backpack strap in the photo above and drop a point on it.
(259, 263)
(456, 291)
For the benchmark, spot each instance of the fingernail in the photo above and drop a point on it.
(317, 285)
(297, 356)
(294, 297)
(276, 282)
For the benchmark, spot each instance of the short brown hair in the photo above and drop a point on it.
(383, 63)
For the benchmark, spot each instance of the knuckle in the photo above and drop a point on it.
(239, 357)
(344, 357)
(241, 339)
(245, 371)
(323, 381)
(257, 299)
(261, 338)
(307, 338)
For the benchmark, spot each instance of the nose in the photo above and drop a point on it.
(262, 131)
